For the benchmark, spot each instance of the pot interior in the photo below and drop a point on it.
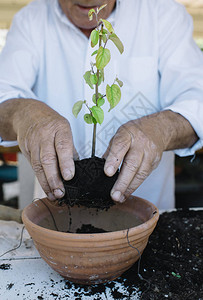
(133, 212)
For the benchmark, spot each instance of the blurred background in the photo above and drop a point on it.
(16, 176)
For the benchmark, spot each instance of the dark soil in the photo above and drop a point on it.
(172, 261)
(171, 264)
(88, 228)
(90, 186)
(5, 266)
(9, 286)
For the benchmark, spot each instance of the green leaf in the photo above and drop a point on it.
(108, 25)
(94, 36)
(100, 101)
(98, 114)
(95, 52)
(104, 38)
(87, 78)
(94, 120)
(93, 78)
(103, 57)
(113, 94)
(101, 7)
(77, 108)
(104, 31)
(120, 83)
(94, 97)
(117, 42)
(91, 13)
(101, 77)
(88, 118)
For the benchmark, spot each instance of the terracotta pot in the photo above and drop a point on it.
(90, 258)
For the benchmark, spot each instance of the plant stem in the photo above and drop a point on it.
(95, 125)
(97, 96)
(94, 140)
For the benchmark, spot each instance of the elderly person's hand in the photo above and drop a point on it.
(45, 139)
(139, 145)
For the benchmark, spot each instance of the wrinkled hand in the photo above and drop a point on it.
(138, 145)
(45, 139)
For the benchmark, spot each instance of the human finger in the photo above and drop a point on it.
(116, 151)
(49, 163)
(65, 151)
(130, 166)
(142, 173)
(39, 172)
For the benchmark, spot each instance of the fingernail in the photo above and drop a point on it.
(67, 175)
(110, 170)
(58, 193)
(117, 196)
(51, 197)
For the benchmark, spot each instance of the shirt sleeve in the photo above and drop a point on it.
(18, 61)
(18, 65)
(181, 69)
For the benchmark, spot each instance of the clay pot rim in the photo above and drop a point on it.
(140, 229)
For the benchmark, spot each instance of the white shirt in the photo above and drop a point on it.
(46, 56)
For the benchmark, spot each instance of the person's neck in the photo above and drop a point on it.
(86, 32)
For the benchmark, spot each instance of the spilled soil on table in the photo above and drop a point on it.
(5, 266)
(172, 260)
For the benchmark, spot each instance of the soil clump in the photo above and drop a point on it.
(90, 186)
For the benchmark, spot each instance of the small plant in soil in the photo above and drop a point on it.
(90, 186)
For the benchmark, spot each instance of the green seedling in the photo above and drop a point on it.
(176, 275)
(101, 55)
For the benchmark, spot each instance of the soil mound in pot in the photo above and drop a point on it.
(90, 186)
(89, 228)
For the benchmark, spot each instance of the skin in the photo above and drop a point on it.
(77, 12)
(45, 137)
(139, 145)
